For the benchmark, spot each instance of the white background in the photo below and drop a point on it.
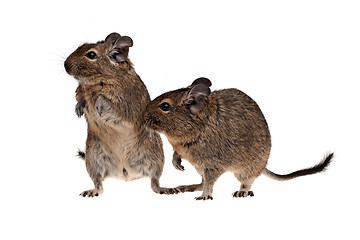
(298, 59)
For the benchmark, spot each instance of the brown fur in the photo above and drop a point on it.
(218, 132)
(113, 98)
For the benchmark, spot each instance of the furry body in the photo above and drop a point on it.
(112, 97)
(222, 131)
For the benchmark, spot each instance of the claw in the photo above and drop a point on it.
(99, 110)
(169, 191)
(177, 162)
(243, 194)
(79, 108)
(204, 198)
(90, 193)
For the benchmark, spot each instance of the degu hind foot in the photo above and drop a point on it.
(91, 193)
(168, 191)
(155, 186)
(204, 197)
(243, 194)
(190, 188)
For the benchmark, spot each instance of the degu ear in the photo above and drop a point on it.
(120, 48)
(112, 37)
(195, 98)
(202, 80)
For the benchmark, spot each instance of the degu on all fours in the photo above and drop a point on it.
(217, 132)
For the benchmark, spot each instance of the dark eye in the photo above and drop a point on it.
(165, 106)
(91, 55)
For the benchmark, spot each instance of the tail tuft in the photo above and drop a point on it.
(322, 166)
(81, 154)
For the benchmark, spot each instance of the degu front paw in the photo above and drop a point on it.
(177, 162)
(102, 106)
(79, 108)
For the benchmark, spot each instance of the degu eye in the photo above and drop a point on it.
(165, 106)
(91, 55)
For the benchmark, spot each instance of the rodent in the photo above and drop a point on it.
(113, 97)
(217, 132)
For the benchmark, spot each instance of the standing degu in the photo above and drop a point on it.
(113, 99)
